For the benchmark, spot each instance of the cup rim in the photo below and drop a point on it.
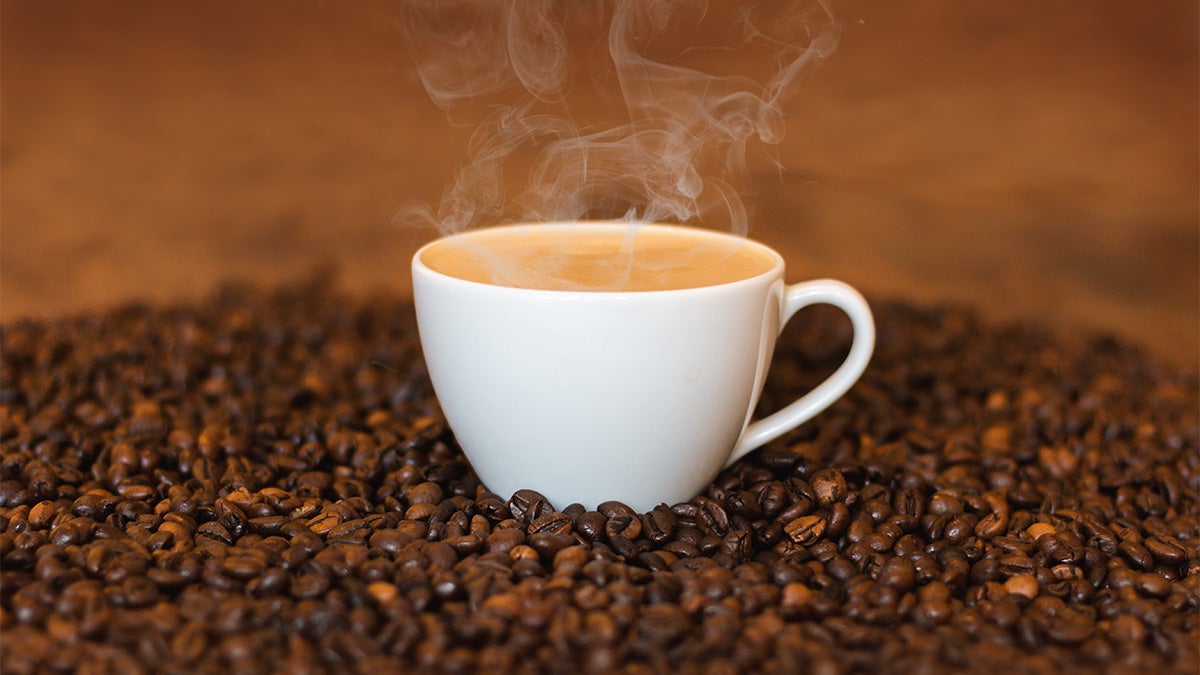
(776, 270)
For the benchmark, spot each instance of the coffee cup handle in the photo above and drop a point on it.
(796, 297)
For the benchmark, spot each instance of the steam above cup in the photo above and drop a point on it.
(613, 361)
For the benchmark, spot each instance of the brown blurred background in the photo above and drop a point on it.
(1035, 160)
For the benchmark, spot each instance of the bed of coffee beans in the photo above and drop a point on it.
(263, 482)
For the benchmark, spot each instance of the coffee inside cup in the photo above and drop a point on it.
(598, 258)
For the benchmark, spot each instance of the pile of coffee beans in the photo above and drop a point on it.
(263, 482)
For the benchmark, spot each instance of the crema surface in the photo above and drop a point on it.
(588, 258)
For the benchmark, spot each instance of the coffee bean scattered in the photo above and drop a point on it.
(264, 482)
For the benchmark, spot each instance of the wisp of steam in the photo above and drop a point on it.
(671, 145)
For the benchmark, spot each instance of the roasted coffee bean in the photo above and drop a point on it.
(682, 549)
(839, 520)
(1016, 564)
(503, 541)
(1025, 585)
(942, 504)
(806, 530)
(772, 498)
(829, 486)
(1136, 554)
(991, 525)
(658, 526)
(711, 516)
(242, 568)
(959, 528)
(527, 506)
(548, 544)
(628, 526)
(1153, 584)
(743, 503)
(1167, 550)
(214, 531)
(552, 523)
(1061, 547)
(898, 574)
(623, 546)
(590, 525)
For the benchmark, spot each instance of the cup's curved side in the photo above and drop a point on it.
(586, 397)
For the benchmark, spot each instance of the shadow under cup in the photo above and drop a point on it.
(599, 361)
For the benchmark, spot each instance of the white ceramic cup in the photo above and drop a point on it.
(635, 396)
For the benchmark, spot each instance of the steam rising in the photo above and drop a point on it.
(678, 153)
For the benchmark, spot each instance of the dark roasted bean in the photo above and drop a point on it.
(621, 520)
(590, 525)
(503, 541)
(829, 486)
(1016, 564)
(772, 498)
(1167, 550)
(1153, 584)
(943, 504)
(682, 549)
(267, 524)
(552, 523)
(806, 530)
(549, 544)
(839, 520)
(527, 506)
(659, 525)
(1136, 554)
(214, 531)
(711, 516)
